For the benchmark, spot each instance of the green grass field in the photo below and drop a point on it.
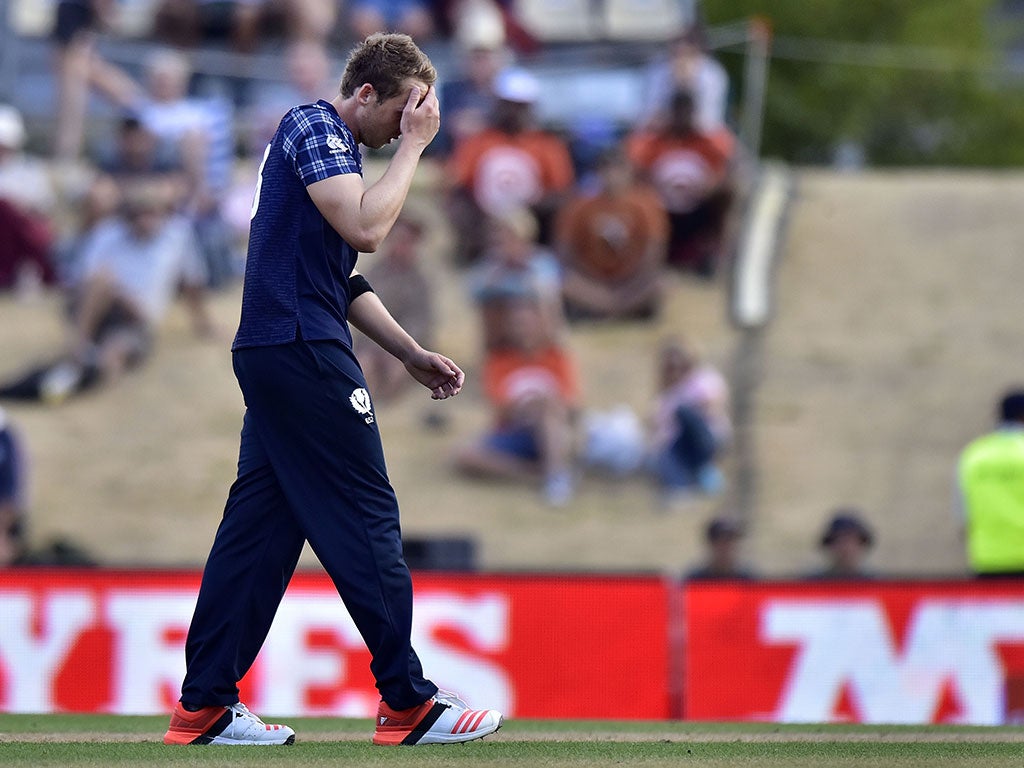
(81, 740)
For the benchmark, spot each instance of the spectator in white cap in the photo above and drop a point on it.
(467, 97)
(27, 203)
(24, 179)
(511, 164)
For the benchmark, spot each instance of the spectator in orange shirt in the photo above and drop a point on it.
(512, 164)
(532, 386)
(612, 245)
(692, 172)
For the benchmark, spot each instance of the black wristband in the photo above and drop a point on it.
(357, 286)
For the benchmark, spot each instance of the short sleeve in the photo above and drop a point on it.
(319, 145)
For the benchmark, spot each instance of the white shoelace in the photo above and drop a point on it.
(450, 699)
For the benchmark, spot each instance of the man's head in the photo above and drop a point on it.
(387, 62)
(723, 534)
(378, 81)
(145, 207)
(1011, 407)
(513, 236)
(677, 358)
(516, 91)
(847, 539)
(12, 130)
(681, 113)
(137, 144)
(167, 75)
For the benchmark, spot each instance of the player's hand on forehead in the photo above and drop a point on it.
(421, 117)
(419, 92)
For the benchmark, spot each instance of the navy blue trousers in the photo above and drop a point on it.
(310, 467)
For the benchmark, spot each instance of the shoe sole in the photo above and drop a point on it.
(221, 741)
(429, 739)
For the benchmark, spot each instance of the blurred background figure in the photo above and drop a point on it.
(25, 252)
(515, 266)
(723, 536)
(12, 494)
(467, 94)
(686, 65)
(846, 542)
(413, 17)
(397, 276)
(532, 386)
(80, 70)
(612, 246)
(691, 425)
(200, 131)
(990, 476)
(511, 164)
(133, 266)
(27, 207)
(308, 67)
(188, 23)
(693, 172)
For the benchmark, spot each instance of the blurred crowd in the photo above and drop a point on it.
(547, 231)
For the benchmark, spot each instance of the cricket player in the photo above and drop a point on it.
(310, 466)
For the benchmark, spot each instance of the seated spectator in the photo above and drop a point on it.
(686, 65)
(413, 17)
(201, 132)
(99, 201)
(132, 267)
(135, 158)
(612, 246)
(12, 495)
(239, 23)
(512, 164)
(846, 541)
(467, 95)
(693, 173)
(80, 69)
(25, 179)
(722, 537)
(691, 422)
(515, 266)
(25, 252)
(308, 69)
(137, 155)
(397, 276)
(27, 205)
(532, 386)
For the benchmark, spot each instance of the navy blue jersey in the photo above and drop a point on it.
(297, 268)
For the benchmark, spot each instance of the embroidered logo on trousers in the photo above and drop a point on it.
(360, 400)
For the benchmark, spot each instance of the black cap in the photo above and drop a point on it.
(846, 521)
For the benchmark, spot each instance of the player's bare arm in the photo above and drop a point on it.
(363, 216)
(436, 372)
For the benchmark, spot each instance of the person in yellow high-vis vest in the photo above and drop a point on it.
(991, 481)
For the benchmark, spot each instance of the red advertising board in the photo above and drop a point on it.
(533, 646)
(882, 652)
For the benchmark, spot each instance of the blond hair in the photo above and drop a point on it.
(386, 60)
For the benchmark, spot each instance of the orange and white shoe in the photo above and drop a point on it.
(224, 725)
(443, 719)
